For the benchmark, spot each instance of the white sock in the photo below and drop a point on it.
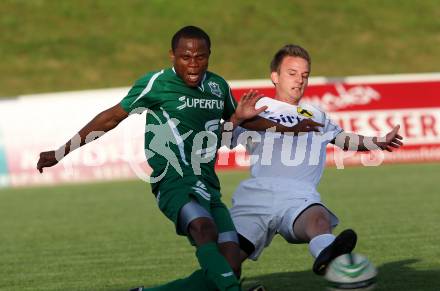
(320, 242)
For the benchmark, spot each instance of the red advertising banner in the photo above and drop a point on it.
(373, 106)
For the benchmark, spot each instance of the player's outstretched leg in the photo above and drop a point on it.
(204, 232)
(216, 273)
(197, 281)
(344, 243)
(216, 268)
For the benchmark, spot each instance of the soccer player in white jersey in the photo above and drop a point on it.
(281, 196)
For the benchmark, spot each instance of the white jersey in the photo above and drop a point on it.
(299, 159)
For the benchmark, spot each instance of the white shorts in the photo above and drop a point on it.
(263, 207)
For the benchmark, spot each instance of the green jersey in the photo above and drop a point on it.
(182, 130)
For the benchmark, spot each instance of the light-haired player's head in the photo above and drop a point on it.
(189, 53)
(290, 70)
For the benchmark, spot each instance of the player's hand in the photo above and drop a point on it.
(246, 106)
(307, 125)
(47, 159)
(391, 140)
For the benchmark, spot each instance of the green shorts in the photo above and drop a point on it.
(173, 193)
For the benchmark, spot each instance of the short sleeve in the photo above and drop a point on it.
(331, 127)
(140, 96)
(230, 104)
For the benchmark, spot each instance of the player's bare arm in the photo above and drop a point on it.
(355, 142)
(99, 125)
(247, 117)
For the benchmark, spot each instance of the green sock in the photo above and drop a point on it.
(216, 268)
(197, 281)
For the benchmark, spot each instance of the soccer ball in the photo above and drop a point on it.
(351, 272)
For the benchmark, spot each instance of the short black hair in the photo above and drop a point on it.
(291, 50)
(190, 32)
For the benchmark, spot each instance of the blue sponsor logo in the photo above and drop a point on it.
(285, 119)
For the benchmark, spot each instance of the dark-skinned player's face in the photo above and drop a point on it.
(190, 60)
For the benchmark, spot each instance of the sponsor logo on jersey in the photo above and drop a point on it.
(182, 106)
(281, 118)
(304, 112)
(215, 89)
(200, 103)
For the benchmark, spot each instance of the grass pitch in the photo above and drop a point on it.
(111, 236)
(48, 45)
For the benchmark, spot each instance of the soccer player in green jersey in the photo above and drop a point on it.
(185, 106)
